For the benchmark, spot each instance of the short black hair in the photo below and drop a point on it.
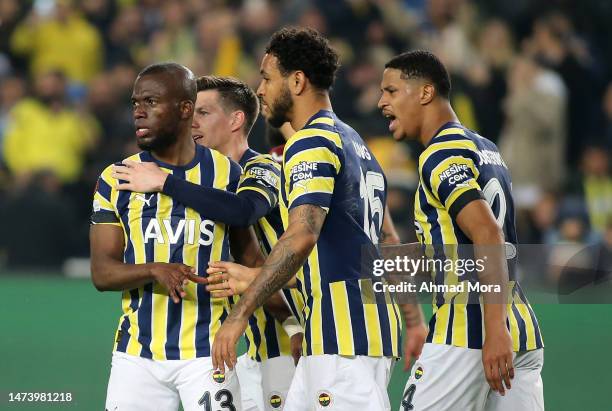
(186, 90)
(234, 94)
(423, 64)
(306, 50)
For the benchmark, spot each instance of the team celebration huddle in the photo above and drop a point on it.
(209, 241)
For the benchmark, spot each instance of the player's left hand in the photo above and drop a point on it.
(497, 359)
(224, 347)
(139, 177)
(413, 343)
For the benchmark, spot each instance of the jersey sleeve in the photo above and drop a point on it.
(104, 208)
(310, 168)
(261, 175)
(234, 176)
(450, 175)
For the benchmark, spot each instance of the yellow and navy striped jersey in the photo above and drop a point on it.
(457, 167)
(158, 229)
(265, 336)
(327, 164)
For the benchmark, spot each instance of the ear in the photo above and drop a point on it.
(238, 119)
(428, 93)
(186, 108)
(297, 82)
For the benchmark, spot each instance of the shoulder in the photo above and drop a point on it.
(262, 160)
(455, 143)
(316, 134)
(109, 169)
(25, 106)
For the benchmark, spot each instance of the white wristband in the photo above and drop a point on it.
(292, 326)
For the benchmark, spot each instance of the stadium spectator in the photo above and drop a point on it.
(62, 41)
(174, 41)
(555, 43)
(12, 89)
(44, 133)
(533, 135)
(594, 185)
(126, 38)
(34, 214)
(10, 15)
(607, 114)
(107, 41)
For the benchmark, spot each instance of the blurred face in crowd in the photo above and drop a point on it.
(274, 93)
(211, 126)
(156, 110)
(51, 87)
(401, 104)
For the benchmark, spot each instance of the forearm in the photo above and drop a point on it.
(276, 306)
(388, 233)
(286, 258)
(413, 315)
(112, 275)
(245, 248)
(239, 210)
(489, 247)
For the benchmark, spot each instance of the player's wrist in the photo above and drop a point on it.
(161, 179)
(292, 326)
(149, 271)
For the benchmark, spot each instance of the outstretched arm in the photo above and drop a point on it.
(242, 209)
(285, 259)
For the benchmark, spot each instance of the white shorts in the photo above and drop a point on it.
(249, 376)
(339, 383)
(276, 376)
(141, 384)
(452, 378)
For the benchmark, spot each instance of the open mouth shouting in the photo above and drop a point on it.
(393, 122)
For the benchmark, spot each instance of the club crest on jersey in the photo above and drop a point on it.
(276, 401)
(218, 376)
(324, 398)
(418, 373)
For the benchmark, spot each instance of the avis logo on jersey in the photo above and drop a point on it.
(186, 231)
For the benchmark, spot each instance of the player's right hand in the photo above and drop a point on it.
(174, 276)
(497, 358)
(226, 279)
(413, 343)
(145, 177)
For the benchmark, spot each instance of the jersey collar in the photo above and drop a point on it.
(246, 156)
(444, 127)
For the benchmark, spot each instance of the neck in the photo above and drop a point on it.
(235, 147)
(308, 107)
(180, 153)
(439, 113)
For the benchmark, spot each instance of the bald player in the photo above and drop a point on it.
(153, 249)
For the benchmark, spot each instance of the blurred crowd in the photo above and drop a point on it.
(532, 76)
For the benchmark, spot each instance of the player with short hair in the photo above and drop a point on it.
(464, 197)
(332, 203)
(154, 249)
(225, 111)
